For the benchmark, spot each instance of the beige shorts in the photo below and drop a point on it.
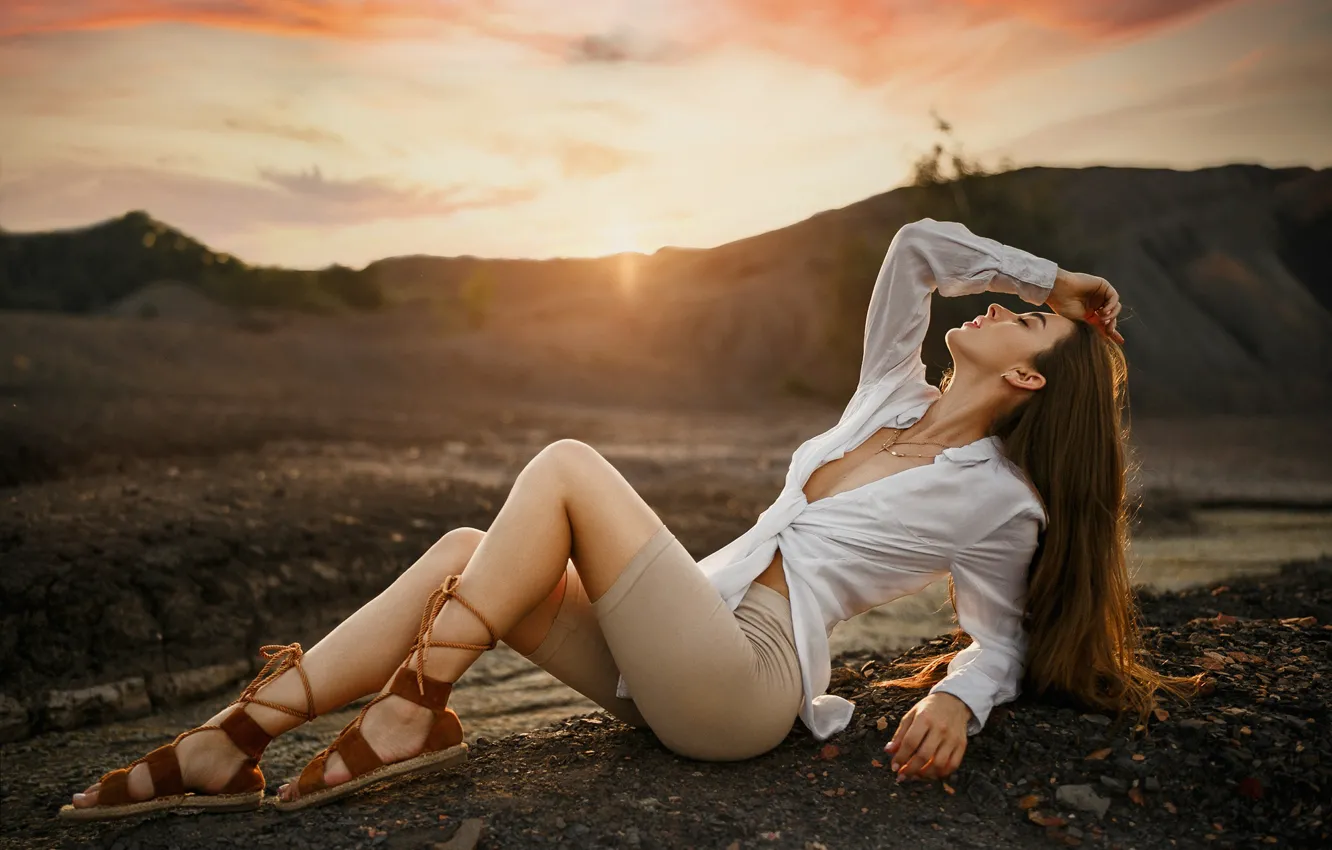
(710, 683)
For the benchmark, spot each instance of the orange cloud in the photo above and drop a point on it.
(320, 18)
(869, 41)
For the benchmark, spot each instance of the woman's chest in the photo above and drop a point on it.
(874, 460)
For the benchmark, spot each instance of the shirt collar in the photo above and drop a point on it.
(986, 448)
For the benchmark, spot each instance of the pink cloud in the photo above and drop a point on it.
(868, 41)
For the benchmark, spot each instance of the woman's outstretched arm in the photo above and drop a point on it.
(928, 254)
(989, 584)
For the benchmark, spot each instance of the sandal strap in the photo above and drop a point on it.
(448, 590)
(357, 754)
(280, 659)
(164, 769)
(248, 736)
(113, 788)
(248, 777)
(429, 693)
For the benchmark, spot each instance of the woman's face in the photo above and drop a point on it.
(1000, 340)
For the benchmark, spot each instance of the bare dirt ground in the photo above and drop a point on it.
(1247, 765)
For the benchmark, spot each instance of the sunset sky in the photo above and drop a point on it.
(303, 132)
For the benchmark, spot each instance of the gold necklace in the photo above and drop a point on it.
(892, 441)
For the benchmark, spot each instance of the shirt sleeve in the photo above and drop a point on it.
(990, 589)
(928, 254)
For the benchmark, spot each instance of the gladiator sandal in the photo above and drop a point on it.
(243, 792)
(444, 746)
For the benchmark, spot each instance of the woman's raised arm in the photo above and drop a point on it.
(928, 254)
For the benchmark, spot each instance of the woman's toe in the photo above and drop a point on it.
(88, 797)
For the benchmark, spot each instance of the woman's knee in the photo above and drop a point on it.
(567, 454)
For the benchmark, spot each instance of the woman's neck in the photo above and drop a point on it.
(956, 418)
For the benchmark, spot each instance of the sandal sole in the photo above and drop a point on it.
(201, 802)
(418, 766)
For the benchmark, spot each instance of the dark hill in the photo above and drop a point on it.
(1227, 298)
(88, 269)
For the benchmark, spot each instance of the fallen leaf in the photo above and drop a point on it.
(1170, 807)
(1161, 715)
(1217, 591)
(1138, 757)
(1098, 755)
(881, 724)
(876, 762)
(829, 752)
(1299, 621)
(1045, 820)
(1029, 801)
(948, 789)
(1225, 619)
(829, 792)
(1135, 794)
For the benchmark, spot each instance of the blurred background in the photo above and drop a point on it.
(290, 289)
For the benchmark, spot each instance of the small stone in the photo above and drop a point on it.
(1114, 784)
(631, 836)
(1098, 719)
(1151, 783)
(1084, 798)
(967, 817)
(1073, 832)
(559, 823)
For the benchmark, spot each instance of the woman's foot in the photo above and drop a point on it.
(208, 761)
(218, 759)
(408, 721)
(395, 729)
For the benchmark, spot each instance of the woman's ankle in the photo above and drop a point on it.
(271, 720)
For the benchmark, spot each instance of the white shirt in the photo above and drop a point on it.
(970, 512)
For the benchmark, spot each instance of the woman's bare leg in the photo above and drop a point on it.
(567, 503)
(353, 660)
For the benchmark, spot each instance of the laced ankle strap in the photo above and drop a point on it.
(448, 590)
(280, 660)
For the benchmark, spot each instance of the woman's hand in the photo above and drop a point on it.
(1086, 297)
(931, 738)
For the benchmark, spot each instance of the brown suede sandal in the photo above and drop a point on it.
(243, 792)
(444, 746)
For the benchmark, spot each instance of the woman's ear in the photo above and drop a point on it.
(1024, 378)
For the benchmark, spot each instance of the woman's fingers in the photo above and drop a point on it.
(907, 749)
(895, 745)
(921, 755)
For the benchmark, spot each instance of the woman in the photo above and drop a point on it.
(1010, 480)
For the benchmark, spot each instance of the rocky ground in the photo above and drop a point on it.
(1247, 765)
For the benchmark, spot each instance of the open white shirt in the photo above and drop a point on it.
(970, 512)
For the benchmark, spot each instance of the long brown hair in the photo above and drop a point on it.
(1081, 617)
